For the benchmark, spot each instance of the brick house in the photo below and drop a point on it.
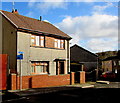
(45, 48)
(111, 64)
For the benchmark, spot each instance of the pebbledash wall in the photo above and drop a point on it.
(39, 54)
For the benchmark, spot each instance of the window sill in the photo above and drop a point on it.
(39, 73)
(47, 47)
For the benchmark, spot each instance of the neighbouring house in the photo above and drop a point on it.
(38, 52)
(82, 59)
(106, 54)
(111, 64)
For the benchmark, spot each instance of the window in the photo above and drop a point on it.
(62, 44)
(42, 40)
(39, 67)
(33, 41)
(56, 43)
(118, 62)
(37, 40)
(59, 43)
(114, 63)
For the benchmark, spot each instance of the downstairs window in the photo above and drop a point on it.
(39, 67)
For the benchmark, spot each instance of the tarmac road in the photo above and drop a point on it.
(102, 93)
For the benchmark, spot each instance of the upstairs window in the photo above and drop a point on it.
(37, 40)
(58, 43)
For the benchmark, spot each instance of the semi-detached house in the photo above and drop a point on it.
(45, 49)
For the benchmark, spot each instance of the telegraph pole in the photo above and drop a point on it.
(97, 69)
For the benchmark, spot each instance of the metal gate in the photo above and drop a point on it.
(3, 71)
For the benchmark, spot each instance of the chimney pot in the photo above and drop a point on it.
(15, 11)
(40, 18)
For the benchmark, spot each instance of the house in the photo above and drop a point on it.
(82, 59)
(38, 52)
(111, 64)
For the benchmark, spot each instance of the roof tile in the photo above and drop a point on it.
(34, 24)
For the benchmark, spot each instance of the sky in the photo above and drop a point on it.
(92, 25)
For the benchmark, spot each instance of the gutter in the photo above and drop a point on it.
(38, 32)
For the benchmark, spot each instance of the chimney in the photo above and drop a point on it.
(15, 11)
(40, 18)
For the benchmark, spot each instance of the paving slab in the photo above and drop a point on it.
(103, 82)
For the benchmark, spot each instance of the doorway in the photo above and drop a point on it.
(61, 67)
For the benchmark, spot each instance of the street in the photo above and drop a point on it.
(101, 93)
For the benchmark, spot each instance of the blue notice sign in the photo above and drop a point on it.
(20, 56)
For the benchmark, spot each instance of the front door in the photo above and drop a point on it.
(61, 67)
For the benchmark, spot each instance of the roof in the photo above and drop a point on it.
(79, 54)
(111, 58)
(84, 49)
(30, 24)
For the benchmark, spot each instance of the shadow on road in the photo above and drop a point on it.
(71, 95)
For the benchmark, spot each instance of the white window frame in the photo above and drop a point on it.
(59, 43)
(37, 40)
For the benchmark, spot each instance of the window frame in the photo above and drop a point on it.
(59, 43)
(39, 40)
(45, 65)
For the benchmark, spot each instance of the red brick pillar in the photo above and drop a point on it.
(72, 78)
(82, 77)
(13, 82)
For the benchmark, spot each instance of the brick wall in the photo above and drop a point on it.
(82, 77)
(107, 65)
(37, 81)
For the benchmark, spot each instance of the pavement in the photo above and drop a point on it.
(44, 90)
(84, 92)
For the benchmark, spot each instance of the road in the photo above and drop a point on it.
(70, 95)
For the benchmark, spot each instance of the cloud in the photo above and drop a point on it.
(31, 3)
(46, 5)
(98, 9)
(64, 0)
(97, 29)
(99, 45)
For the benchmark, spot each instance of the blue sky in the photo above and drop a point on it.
(92, 25)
